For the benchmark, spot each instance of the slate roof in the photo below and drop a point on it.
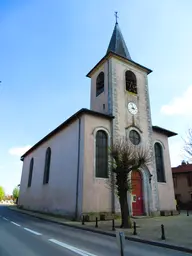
(117, 44)
(64, 124)
(117, 47)
(184, 168)
(164, 131)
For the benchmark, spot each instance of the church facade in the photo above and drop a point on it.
(67, 171)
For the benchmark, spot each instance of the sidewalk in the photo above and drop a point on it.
(178, 229)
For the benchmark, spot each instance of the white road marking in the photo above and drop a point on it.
(72, 248)
(5, 219)
(15, 224)
(33, 232)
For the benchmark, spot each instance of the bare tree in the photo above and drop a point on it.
(188, 144)
(125, 157)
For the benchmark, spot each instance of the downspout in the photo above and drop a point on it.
(110, 110)
(78, 169)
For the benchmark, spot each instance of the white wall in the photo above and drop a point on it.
(59, 195)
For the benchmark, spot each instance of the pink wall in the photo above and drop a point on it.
(96, 193)
(96, 103)
(166, 190)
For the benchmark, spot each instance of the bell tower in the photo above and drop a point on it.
(119, 86)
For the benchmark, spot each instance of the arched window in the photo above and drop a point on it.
(47, 166)
(101, 154)
(131, 82)
(30, 172)
(159, 163)
(100, 84)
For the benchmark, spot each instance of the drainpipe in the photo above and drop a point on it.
(111, 112)
(78, 170)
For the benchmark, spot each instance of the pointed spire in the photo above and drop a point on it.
(117, 43)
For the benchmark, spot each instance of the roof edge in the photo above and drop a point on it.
(180, 172)
(164, 131)
(111, 53)
(182, 168)
(62, 126)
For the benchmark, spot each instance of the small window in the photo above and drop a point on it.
(159, 163)
(189, 179)
(101, 154)
(100, 84)
(131, 82)
(175, 181)
(134, 137)
(30, 172)
(47, 166)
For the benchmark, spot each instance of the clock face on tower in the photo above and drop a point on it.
(132, 107)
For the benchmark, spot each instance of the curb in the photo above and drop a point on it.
(134, 239)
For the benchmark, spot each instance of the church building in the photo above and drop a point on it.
(66, 172)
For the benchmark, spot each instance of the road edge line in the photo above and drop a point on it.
(134, 239)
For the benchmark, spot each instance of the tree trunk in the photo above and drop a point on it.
(125, 218)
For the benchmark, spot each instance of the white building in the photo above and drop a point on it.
(66, 171)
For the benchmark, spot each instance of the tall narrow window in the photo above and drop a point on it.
(47, 166)
(159, 163)
(131, 82)
(30, 172)
(175, 181)
(101, 154)
(189, 179)
(100, 84)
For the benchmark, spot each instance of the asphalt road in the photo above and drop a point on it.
(23, 235)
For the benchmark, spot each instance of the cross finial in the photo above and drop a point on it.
(116, 17)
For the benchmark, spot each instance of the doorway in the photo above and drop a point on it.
(137, 193)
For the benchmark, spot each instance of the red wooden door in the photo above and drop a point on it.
(137, 193)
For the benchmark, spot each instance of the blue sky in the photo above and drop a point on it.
(47, 48)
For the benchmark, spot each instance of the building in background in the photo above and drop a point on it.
(182, 179)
